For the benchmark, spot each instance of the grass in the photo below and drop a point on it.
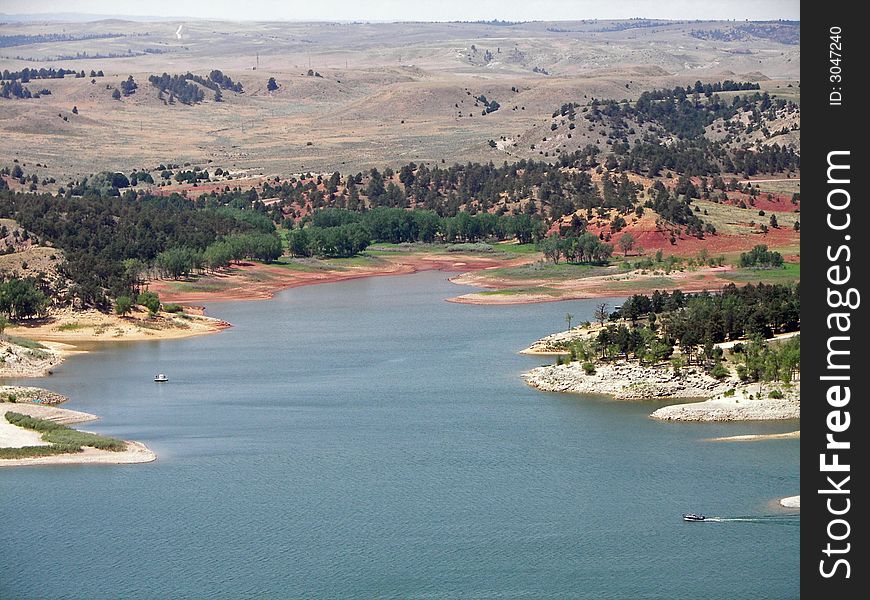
(71, 326)
(785, 186)
(790, 273)
(25, 343)
(517, 248)
(62, 439)
(550, 271)
(548, 291)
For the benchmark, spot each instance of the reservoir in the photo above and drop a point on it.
(367, 439)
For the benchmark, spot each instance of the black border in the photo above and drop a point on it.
(826, 128)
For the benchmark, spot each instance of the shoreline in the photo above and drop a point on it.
(758, 437)
(12, 436)
(502, 291)
(63, 334)
(258, 281)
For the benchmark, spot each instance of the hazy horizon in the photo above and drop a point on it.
(397, 11)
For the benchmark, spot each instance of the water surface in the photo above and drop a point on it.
(369, 440)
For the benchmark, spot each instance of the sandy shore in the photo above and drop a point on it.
(791, 435)
(597, 286)
(62, 329)
(256, 281)
(12, 436)
(791, 502)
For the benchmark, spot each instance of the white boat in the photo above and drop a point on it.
(694, 517)
(161, 377)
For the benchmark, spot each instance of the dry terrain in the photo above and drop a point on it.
(386, 94)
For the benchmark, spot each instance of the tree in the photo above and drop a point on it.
(551, 247)
(626, 243)
(75, 110)
(600, 313)
(568, 318)
(116, 95)
(21, 299)
(272, 85)
(149, 300)
(123, 305)
(3, 323)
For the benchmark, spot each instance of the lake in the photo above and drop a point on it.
(368, 439)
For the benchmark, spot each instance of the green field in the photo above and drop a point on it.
(550, 271)
(790, 273)
(543, 290)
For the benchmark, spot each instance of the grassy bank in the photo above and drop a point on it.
(61, 439)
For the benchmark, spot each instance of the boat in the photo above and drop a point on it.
(694, 517)
(160, 377)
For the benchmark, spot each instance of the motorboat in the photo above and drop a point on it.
(694, 517)
(160, 377)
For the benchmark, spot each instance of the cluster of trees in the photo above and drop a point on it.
(695, 323)
(762, 361)
(736, 312)
(128, 86)
(543, 188)
(22, 298)
(25, 74)
(14, 89)
(761, 258)
(337, 232)
(178, 87)
(488, 105)
(678, 210)
(340, 241)
(181, 261)
(576, 248)
(681, 113)
(109, 241)
(784, 32)
(221, 80)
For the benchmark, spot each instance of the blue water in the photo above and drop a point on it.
(369, 440)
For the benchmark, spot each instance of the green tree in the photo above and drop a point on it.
(123, 305)
(149, 300)
(626, 243)
(272, 85)
(21, 299)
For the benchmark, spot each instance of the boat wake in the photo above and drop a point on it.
(763, 519)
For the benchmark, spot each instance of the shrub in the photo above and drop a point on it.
(729, 393)
(589, 368)
(776, 395)
(720, 371)
(173, 308)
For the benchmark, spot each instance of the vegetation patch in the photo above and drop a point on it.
(62, 439)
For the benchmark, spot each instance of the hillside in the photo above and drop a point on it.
(387, 93)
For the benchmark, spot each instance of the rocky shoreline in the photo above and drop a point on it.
(743, 405)
(727, 400)
(626, 381)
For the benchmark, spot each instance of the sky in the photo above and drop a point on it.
(416, 10)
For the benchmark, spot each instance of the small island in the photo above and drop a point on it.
(739, 350)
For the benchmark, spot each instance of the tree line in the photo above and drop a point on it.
(109, 241)
(340, 233)
(26, 74)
